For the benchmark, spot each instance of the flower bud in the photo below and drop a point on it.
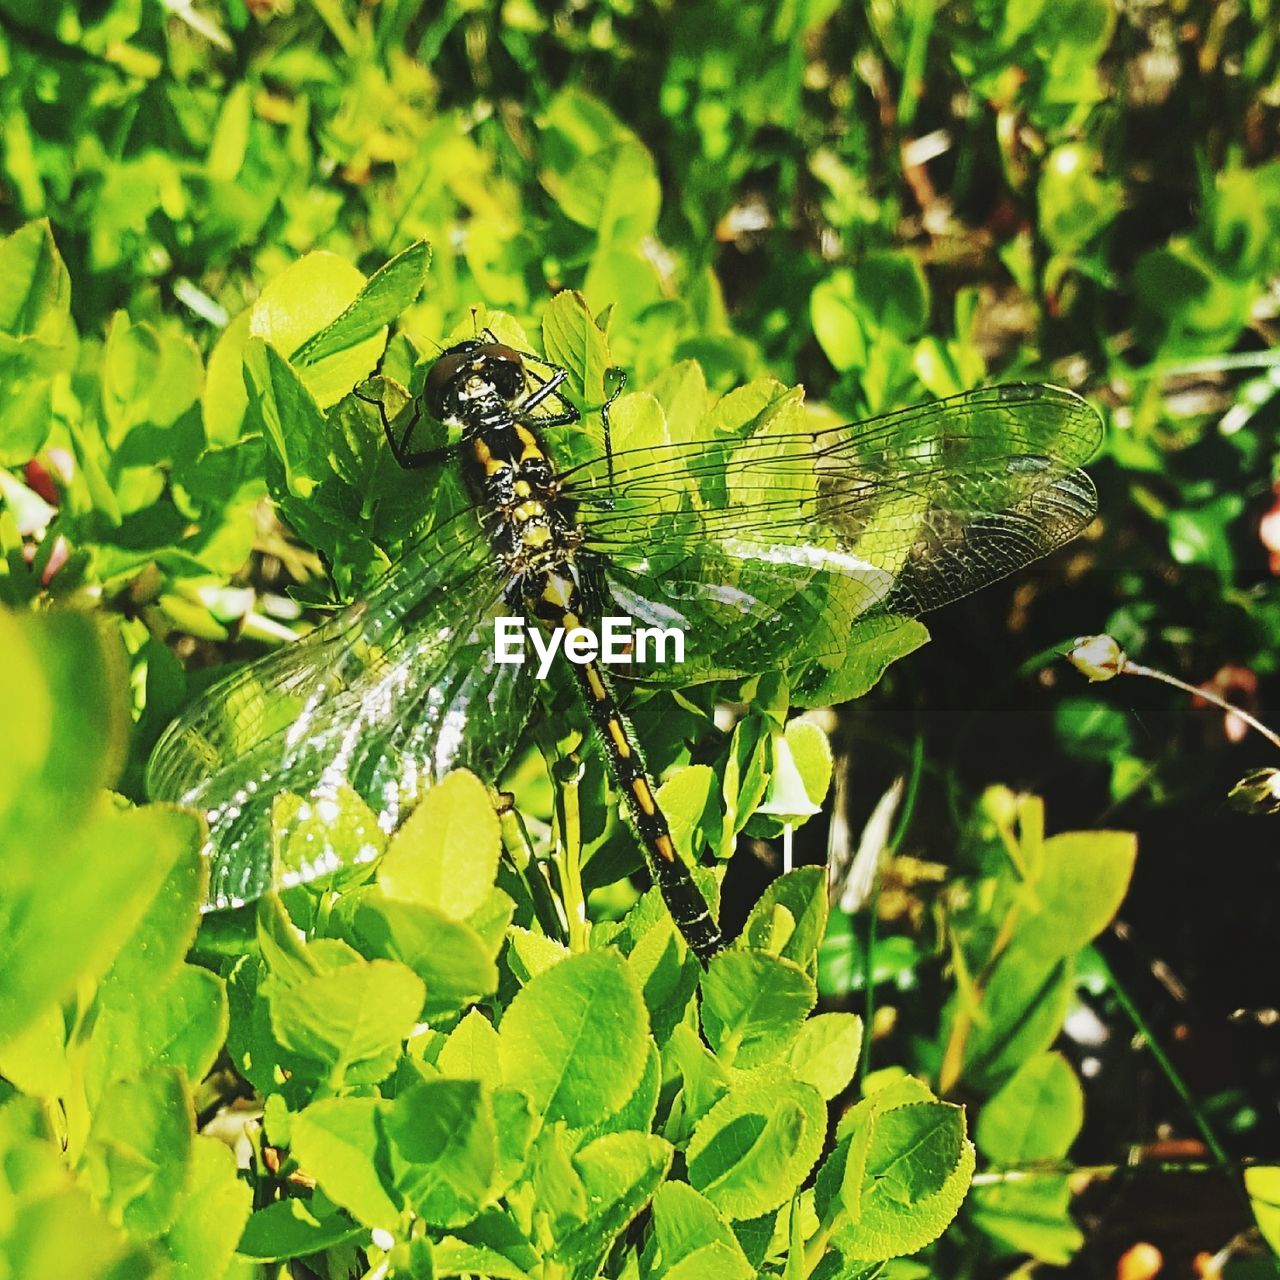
(1097, 657)
(1257, 792)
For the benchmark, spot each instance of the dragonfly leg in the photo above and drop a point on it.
(604, 420)
(407, 458)
(545, 389)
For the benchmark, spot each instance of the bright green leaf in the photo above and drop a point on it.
(576, 1038)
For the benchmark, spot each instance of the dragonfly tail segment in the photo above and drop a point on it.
(684, 899)
(553, 597)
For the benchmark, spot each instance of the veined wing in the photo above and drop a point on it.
(331, 740)
(780, 548)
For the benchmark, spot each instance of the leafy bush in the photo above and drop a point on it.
(219, 224)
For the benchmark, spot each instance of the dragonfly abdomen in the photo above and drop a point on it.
(553, 598)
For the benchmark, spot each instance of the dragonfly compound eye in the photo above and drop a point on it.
(492, 362)
(503, 368)
(443, 379)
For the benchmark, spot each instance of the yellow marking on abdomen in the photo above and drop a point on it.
(528, 510)
(486, 459)
(665, 847)
(619, 739)
(532, 450)
(523, 489)
(537, 535)
(644, 797)
(558, 591)
(596, 685)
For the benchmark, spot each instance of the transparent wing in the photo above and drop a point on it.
(781, 547)
(333, 739)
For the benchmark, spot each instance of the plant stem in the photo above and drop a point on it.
(575, 901)
(869, 983)
(1131, 668)
(1028, 1173)
(873, 906)
(1199, 1119)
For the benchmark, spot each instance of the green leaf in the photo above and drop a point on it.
(917, 1170)
(231, 134)
(51, 1227)
(681, 392)
(531, 953)
(825, 1053)
(471, 1051)
(619, 1172)
(455, 964)
(301, 303)
(1023, 1006)
(1185, 307)
(891, 292)
(1075, 204)
(295, 1228)
(638, 1112)
(572, 339)
(453, 1257)
(754, 1148)
(35, 297)
(389, 291)
(1082, 880)
(340, 1143)
(35, 1061)
(668, 974)
(446, 854)
(836, 322)
(753, 1005)
(790, 917)
(37, 338)
(353, 1015)
(723, 1261)
(154, 952)
(1036, 1115)
(57, 924)
(615, 193)
(876, 644)
(1032, 1217)
(290, 418)
(215, 1206)
(223, 403)
(62, 678)
(811, 752)
(445, 1156)
(834, 1266)
(139, 1150)
(148, 377)
(181, 1024)
(687, 1226)
(1263, 1185)
(575, 1039)
(690, 801)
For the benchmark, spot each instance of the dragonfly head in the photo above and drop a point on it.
(469, 367)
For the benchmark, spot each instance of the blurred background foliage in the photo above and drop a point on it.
(886, 202)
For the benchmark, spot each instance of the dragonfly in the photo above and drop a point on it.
(771, 545)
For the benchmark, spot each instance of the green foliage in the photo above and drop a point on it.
(477, 1051)
(525, 1147)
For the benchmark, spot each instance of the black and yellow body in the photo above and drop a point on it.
(533, 530)
(776, 548)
